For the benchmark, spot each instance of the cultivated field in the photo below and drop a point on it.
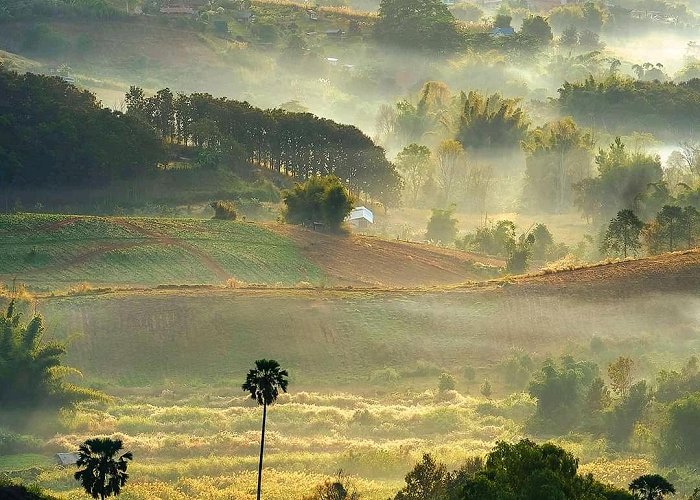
(54, 252)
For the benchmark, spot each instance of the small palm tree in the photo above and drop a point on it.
(104, 474)
(264, 383)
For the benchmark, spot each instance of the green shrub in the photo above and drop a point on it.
(224, 210)
(446, 382)
(385, 376)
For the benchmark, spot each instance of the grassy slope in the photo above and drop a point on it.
(58, 251)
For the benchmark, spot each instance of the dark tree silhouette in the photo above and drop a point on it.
(264, 383)
(103, 474)
(651, 487)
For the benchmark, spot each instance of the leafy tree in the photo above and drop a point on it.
(264, 383)
(519, 255)
(537, 29)
(620, 373)
(414, 163)
(103, 473)
(598, 396)
(451, 168)
(425, 482)
(485, 389)
(622, 418)
(561, 390)
(224, 210)
(417, 24)
(490, 123)
(672, 228)
(690, 223)
(666, 108)
(502, 21)
(446, 382)
(528, 471)
(651, 487)
(30, 369)
(318, 199)
(680, 435)
(442, 226)
(622, 235)
(558, 156)
(53, 134)
(492, 239)
(569, 37)
(622, 176)
(543, 246)
(669, 219)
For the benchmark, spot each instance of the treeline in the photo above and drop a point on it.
(54, 134)
(297, 144)
(631, 105)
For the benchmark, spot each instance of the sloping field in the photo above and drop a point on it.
(358, 260)
(671, 272)
(57, 251)
(341, 336)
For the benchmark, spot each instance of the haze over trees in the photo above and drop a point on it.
(31, 369)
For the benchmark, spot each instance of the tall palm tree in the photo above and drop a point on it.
(104, 473)
(264, 383)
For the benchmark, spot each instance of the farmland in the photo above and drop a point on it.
(364, 367)
(57, 252)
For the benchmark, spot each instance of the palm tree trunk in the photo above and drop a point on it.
(262, 448)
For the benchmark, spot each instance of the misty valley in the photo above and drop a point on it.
(349, 249)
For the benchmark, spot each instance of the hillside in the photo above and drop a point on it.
(346, 334)
(57, 251)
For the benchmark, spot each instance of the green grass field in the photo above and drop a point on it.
(56, 251)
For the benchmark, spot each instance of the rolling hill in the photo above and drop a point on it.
(56, 252)
(345, 334)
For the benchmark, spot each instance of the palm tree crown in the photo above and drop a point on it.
(265, 381)
(104, 474)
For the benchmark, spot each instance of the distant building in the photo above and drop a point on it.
(360, 217)
(67, 458)
(501, 32)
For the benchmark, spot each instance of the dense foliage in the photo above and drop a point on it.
(30, 369)
(298, 144)
(622, 176)
(442, 226)
(558, 156)
(417, 24)
(53, 134)
(633, 105)
(518, 471)
(318, 200)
